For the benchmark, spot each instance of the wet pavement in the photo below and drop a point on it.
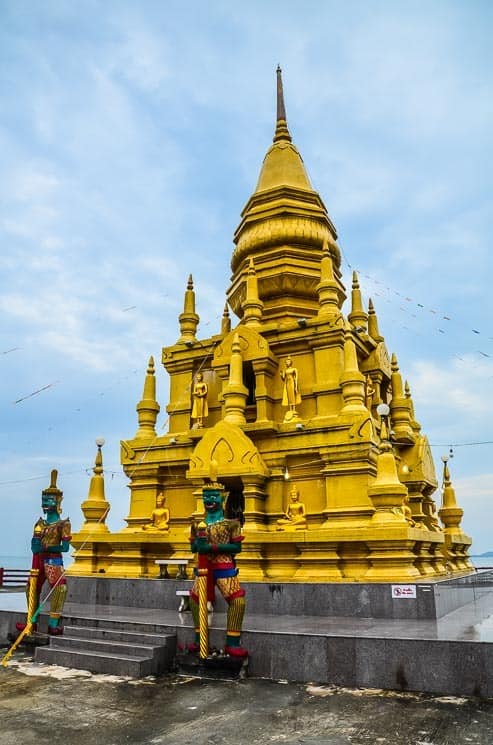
(42, 704)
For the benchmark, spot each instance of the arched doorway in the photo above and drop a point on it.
(235, 502)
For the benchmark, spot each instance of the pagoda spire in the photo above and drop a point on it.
(225, 321)
(373, 329)
(282, 131)
(387, 492)
(252, 307)
(148, 408)
(352, 380)
(400, 410)
(95, 507)
(235, 393)
(283, 227)
(450, 512)
(414, 422)
(189, 319)
(328, 296)
(357, 317)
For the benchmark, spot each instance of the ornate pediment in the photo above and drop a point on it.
(252, 344)
(234, 453)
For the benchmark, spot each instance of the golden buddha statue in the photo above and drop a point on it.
(200, 408)
(159, 516)
(295, 515)
(291, 395)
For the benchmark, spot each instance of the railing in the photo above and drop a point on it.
(12, 578)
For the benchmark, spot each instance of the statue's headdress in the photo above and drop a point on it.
(53, 490)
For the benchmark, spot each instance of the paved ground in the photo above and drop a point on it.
(39, 705)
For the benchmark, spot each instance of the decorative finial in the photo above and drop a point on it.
(252, 306)
(282, 131)
(373, 329)
(358, 317)
(352, 380)
(387, 492)
(225, 321)
(98, 462)
(400, 406)
(189, 319)
(148, 407)
(328, 298)
(235, 393)
(95, 507)
(281, 109)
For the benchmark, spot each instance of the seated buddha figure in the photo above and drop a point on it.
(295, 515)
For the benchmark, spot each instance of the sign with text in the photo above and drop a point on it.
(403, 591)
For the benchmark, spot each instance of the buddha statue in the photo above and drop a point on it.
(295, 515)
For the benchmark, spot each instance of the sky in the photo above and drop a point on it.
(132, 135)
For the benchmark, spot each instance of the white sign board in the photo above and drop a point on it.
(403, 591)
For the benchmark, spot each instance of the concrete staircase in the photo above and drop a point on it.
(112, 647)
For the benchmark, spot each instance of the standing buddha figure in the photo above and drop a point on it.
(291, 396)
(200, 409)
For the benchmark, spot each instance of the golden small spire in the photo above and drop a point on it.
(235, 393)
(328, 297)
(358, 317)
(352, 380)
(95, 507)
(397, 389)
(148, 408)
(373, 329)
(450, 512)
(414, 422)
(189, 319)
(252, 306)
(400, 408)
(387, 492)
(225, 321)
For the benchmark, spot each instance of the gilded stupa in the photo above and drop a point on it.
(300, 408)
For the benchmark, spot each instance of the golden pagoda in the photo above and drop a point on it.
(302, 409)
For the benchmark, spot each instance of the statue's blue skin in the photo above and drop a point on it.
(214, 513)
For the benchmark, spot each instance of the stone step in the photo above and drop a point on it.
(98, 662)
(117, 625)
(118, 635)
(142, 651)
(127, 651)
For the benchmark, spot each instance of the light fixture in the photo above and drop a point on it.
(100, 441)
(383, 410)
(300, 425)
(444, 458)
(286, 474)
(173, 441)
(301, 322)
(189, 343)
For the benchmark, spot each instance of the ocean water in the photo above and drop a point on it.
(19, 561)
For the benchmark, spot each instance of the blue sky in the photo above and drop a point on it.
(131, 136)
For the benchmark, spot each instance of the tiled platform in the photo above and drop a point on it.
(450, 655)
